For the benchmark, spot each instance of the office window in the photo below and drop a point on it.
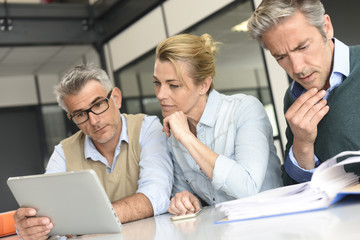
(239, 66)
(136, 84)
(132, 106)
(55, 127)
(152, 106)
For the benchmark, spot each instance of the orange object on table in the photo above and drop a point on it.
(7, 223)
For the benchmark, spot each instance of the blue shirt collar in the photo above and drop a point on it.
(90, 149)
(208, 117)
(340, 70)
(341, 60)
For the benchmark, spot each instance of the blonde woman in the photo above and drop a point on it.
(222, 146)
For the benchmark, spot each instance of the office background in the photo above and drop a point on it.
(39, 42)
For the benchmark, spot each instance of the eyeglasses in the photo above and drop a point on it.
(98, 108)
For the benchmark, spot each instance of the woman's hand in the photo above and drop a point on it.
(178, 123)
(184, 203)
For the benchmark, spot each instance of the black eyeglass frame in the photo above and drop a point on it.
(90, 109)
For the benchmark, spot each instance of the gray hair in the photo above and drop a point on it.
(272, 12)
(76, 78)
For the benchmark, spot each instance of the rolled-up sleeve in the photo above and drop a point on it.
(243, 174)
(156, 168)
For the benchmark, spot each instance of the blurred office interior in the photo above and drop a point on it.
(41, 39)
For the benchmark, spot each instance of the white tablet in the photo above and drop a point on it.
(75, 201)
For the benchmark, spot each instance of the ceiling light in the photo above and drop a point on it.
(241, 27)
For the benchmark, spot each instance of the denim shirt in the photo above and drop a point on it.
(238, 130)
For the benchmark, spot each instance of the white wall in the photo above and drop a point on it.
(18, 91)
(147, 32)
(46, 85)
(141, 37)
(182, 14)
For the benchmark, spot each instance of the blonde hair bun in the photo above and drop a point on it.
(209, 43)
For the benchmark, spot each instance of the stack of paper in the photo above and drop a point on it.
(328, 185)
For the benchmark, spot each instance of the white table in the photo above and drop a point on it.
(339, 222)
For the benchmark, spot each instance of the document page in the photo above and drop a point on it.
(327, 182)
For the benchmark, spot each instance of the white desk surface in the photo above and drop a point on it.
(339, 222)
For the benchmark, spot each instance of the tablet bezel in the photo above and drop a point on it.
(75, 201)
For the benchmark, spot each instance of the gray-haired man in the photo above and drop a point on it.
(128, 152)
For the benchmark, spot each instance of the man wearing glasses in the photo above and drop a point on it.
(128, 152)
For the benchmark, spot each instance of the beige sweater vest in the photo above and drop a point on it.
(122, 182)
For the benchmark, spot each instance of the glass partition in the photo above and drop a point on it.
(239, 67)
(55, 128)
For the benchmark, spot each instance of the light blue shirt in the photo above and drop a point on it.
(341, 70)
(156, 168)
(238, 129)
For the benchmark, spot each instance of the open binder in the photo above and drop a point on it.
(331, 182)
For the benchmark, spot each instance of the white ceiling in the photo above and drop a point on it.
(236, 48)
(56, 59)
(40, 59)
